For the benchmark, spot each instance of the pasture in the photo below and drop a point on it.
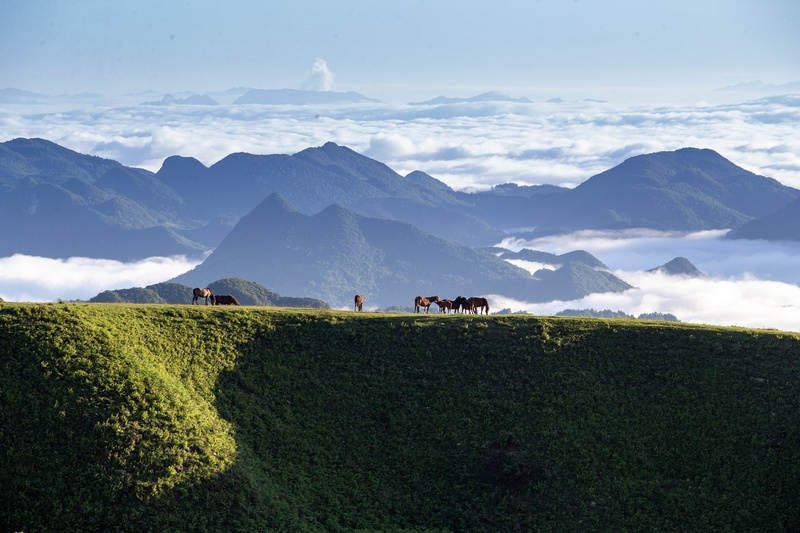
(198, 418)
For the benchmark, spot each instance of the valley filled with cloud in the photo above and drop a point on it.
(469, 145)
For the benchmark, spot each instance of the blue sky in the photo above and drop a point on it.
(399, 51)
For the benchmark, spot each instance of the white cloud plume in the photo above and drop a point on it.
(320, 77)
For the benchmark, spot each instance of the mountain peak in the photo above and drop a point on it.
(680, 266)
(178, 165)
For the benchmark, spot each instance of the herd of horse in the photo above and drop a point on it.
(219, 299)
(474, 305)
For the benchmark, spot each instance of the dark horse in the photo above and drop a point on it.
(478, 305)
(445, 306)
(419, 301)
(225, 299)
(202, 293)
(460, 303)
(359, 302)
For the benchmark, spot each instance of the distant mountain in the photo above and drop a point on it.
(485, 97)
(782, 225)
(195, 99)
(576, 256)
(298, 97)
(525, 191)
(10, 95)
(680, 266)
(686, 190)
(337, 253)
(760, 86)
(315, 178)
(246, 292)
(63, 204)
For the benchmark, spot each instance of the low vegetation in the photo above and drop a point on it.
(191, 418)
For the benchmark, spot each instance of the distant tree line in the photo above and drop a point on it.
(608, 313)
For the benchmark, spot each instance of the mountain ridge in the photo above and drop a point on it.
(337, 253)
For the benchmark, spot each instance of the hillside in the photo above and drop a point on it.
(245, 292)
(161, 418)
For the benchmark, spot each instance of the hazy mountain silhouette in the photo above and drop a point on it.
(782, 225)
(317, 177)
(576, 256)
(299, 97)
(680, 266)
(491, 96)
(62, 203)
(194, 99)
(337, 253)
(686, 190)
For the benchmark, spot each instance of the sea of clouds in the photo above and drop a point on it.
(470, 146)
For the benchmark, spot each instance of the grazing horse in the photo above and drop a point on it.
(359, 302)
(445, 306)
(477, 305)
(419, 301)
(225, 299)
(202, 293)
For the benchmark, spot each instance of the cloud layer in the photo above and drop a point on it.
(466, 145)
(748, 283)
(25, 278)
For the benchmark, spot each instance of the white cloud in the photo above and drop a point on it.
(468, 146)
(25, 278)
(749, 283)
(745, 302)
(320, 77)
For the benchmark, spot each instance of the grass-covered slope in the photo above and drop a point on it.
(181, 418)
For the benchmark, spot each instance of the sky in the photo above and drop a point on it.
(620, 49)
(606, 80)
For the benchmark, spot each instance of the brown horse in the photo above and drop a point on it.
(419, 301)
(460, 303)
(225, 299)
(359, 302)
(202, 293)
(445, 306)
(477, 305)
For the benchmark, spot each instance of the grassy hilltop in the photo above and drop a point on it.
(180, 418)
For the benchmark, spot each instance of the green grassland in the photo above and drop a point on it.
(121, 417)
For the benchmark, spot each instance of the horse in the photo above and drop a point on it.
(225, 299)
(477, 305)
(359, 302)
(445, 305)
(202, 293)
(419, 301)
(460, 303)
